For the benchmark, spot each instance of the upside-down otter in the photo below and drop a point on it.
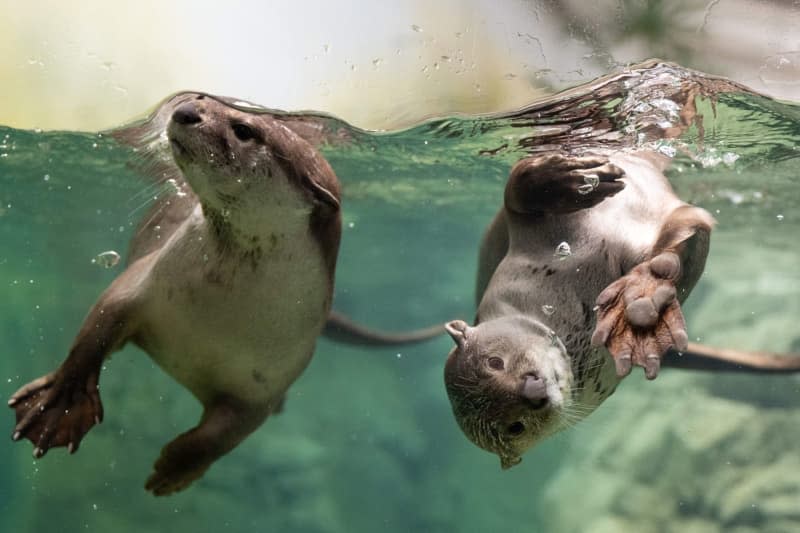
(578, 235)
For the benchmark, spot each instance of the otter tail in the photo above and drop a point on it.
(699, 357)
(341, 329)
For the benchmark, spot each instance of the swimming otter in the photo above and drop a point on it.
(578, 235)
(228, 287)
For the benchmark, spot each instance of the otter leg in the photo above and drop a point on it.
(58, 409)
(639, 315)
(224, 424)
(560, 184)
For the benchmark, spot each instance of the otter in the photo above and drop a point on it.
(227, 288)
(581, 277)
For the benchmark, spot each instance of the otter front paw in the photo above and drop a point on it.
(561, 184)
(639, 316)
(54, 411)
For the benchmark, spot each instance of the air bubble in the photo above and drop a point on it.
(592, 179)
(553, 338)
(729, 158)
(176, 187)
(548, 309)
(416, 28)
(669, 151)
(563, 251)
(779, 217)
(106, 259)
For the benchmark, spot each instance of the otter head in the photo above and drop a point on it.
(507, 380)
(248, 164)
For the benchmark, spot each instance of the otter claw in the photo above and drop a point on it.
(600, 336)
(651, 366)
(38, 453)
(623, 364)
(16, 436)
(681, 340)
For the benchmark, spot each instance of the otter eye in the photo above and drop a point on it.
(495, 363)
(516, 429)
(243, 132)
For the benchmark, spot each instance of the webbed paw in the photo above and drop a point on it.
(176, 468)
(53, 411)
(639, 317)
(558, 183)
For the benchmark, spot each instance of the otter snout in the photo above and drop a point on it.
(186, 114)
(534, 390)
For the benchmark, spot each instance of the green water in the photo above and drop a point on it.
(367, 441)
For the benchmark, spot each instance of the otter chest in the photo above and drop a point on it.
(223, 321)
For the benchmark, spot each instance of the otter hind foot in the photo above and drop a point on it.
(561, 184)
(52, 411)
(177, 467)
(184, 460)
(639, 316)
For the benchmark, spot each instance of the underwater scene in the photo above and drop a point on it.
(367, 440)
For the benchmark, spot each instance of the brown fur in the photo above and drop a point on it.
(228, 286)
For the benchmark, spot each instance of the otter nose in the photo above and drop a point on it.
(186, 114)
(535, 391)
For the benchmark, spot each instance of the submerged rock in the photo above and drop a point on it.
(681, 459)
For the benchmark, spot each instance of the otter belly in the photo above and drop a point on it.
(236, 329)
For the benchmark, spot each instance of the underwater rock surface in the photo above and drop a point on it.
(682, 460)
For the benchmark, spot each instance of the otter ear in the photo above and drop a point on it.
(458, 330)
(507, 461)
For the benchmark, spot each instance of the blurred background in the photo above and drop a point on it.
(94, 64)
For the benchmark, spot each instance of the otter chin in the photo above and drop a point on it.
(508, 389)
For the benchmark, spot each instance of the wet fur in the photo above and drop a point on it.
(227, 289)
(519, 273)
